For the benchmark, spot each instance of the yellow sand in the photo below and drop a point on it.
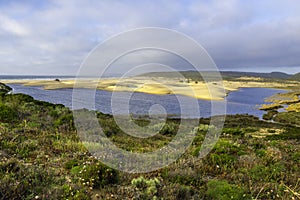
(157, 85)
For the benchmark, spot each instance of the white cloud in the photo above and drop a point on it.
(51, 37)
(11, 26)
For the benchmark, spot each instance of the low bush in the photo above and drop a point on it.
(169, 129)
(95, 174)
(7, 114)
(234, 131)
(288, 118)
(219, 189)
(270, 114)
(146, 188)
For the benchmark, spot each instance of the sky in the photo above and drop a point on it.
(53, 37)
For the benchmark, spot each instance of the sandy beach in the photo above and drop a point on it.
(158, 85)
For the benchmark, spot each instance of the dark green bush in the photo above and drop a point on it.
(224, 160)
(270, 114)
(71, 163)
(289, 134)
(184, 193)
(296, 157)
(219, 189)
(64, 122)
(7, 114)
(44, 103)
(4, 88)
(108, 124)
(169, 129)
(19, 98)
(234, 131)
(270, 173)
(288, 118)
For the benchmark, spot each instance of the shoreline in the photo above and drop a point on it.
(217, 90)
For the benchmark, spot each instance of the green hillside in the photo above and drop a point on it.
(211, 75)
(41, 157)
(295, 77)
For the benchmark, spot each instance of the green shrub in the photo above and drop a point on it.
(7, 114)
(95, 174)
(223, 160)
(169, 129)
(234, 131)
(289, 134)
(258, 145)
(44, 103)
(250, 130)
(19, 98)
(71, 163)
(185, 177)
(260, 153)
(203, 127)
(4, 88)
(270, 173)
(270, 114)
(218, 189)
(288, 118)
(73, 192)
(271, 131)
(147, 188)
(108, 125)
(228, 147)
(296, 157)
(110, 130)
(64, 122)
(184, 192)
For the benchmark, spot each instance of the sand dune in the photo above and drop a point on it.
(157, 85)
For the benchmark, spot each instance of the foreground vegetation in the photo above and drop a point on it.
(41, 157)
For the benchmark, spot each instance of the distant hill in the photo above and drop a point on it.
(212, 75)
(276, 75)
(295, 77)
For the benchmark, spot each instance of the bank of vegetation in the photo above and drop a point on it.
(41, 157)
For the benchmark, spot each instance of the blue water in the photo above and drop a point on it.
(16, 77)
(248, 100)
(243, 101)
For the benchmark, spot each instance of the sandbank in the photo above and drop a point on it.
(157, 85)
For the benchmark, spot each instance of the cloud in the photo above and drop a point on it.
(10, 26)
(53, 37)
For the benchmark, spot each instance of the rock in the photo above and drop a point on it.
(4, 88)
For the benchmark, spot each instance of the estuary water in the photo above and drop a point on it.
(243, 101)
